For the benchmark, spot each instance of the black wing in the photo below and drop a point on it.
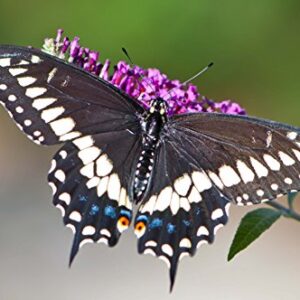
(206, 161)
(52, 101)
(90, 178)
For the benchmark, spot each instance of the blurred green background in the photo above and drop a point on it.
(255, 46)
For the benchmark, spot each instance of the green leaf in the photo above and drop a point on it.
(251, 227)
(291, 198)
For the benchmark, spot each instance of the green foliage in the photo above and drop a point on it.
(291, 199)
(251, 227)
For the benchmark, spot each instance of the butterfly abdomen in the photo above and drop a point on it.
(143, 171)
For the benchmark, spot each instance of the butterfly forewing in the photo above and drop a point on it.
(249, 160)
(53, 102)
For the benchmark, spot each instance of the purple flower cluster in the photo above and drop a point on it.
(142, 84)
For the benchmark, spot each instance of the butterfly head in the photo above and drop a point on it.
(158, 105)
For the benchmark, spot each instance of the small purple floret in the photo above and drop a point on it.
(142, 84)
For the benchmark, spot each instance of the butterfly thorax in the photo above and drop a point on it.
(152, 123)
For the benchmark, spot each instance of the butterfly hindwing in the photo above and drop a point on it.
(90, 178)
(52, 101)
(182, 211)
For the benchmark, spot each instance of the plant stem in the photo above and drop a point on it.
(286, 212)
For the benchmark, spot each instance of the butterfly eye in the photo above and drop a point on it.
(123, 223)
(139, 229)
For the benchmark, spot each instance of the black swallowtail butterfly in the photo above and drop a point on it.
(182, 171)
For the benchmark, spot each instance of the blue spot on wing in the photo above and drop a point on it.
(83, 198)
(110, 211)
(94, 210)
(171, 228)
(155, 223)
(126, 213)
(186, 223)
(142, 218)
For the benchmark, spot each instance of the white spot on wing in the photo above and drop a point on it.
(3, 87)
(75, 216)
(149, 252)
(164, 199)
(66, 197)
(102, 187)
(202, 231)
(34, 92)
(27, 122)
(51, 74)
(167, 249)
(217, 213)
(288, 180)
(103, 165)
(84, 142)
(88, 170)
(272, 162)
(17, 71)
(297, 153)
(260, 169)
(93, 182)
(51, 114)
(12, 98)
(53, 187)
(151, 244)
(53, 166)
(185, 243)
(4, 62)
(63, 154)
(88, 230)
(291, 135)
(175, 203)
(69, 136)
(26, 81)
(41, 103)
(62, 126)
(274, 186)
(286, 159)
(216, 180)
(201, 181)
(228, 176)
(105, 232)
(19, 109)
(149, 205)
(114, 187)
(245, 172)
(60, 175)
(184, 203)
(88, 155)
(260, 193)
(194, 196)
(182, 184)
(35, 59)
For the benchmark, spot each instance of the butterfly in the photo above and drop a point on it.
(182, 172)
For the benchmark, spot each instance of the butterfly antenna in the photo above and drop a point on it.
(192, 78)
(141, 76)
(199, 73)
(127, 55)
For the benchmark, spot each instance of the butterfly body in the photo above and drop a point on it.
(152, 123)
(183, 171)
